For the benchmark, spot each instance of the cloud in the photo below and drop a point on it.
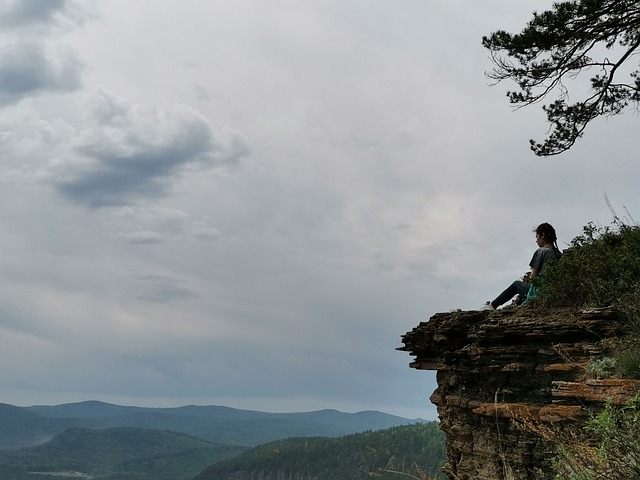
(34, 57)
(131, 152)
(202, 231)
(155, 224)
(18, 13)
(45, 16)
(140, 237)
(36, 67)
(162, 289)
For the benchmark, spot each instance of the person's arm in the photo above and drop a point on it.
(534, 273)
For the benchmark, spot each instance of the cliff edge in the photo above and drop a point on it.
(513, 364)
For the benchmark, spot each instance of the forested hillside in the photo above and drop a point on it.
(141, 454)
(114, 454)
(382, 454)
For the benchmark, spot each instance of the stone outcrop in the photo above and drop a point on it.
(521, 364)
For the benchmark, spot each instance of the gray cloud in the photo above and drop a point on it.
(44, 16)
(34, 58)
(162, 289)
(141, 237)
(155, 225)
(133, 152)
(35, 67)
(18, 13)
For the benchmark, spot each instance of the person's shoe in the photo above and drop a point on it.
(486, 306)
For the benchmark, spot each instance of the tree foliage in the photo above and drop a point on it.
(406, 451)
(561, 45)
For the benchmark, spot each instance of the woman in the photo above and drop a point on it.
(548, 251)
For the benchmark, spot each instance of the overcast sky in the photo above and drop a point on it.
(247, 203)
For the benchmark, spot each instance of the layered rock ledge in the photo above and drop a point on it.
(523, 364)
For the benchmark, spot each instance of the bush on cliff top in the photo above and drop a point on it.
(601, 267)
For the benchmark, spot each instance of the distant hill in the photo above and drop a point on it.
(390, 454)
(114, 454)
(28, 426)
(21, 428)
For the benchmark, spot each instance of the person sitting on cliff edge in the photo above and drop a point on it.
(547, 251)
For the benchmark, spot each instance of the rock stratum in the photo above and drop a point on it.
(499, 371)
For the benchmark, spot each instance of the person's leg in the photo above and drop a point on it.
(516, 288)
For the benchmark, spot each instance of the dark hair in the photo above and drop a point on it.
(546, 231)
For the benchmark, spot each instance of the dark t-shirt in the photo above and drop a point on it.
(541, 256)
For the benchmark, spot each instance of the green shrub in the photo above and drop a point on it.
(613, 452)
(628, 306)
(602, 368)
(627, 358)
(601, 267)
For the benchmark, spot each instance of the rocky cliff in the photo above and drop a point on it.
(513, 364)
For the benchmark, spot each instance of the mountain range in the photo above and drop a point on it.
(91, 440)
(29, 426)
